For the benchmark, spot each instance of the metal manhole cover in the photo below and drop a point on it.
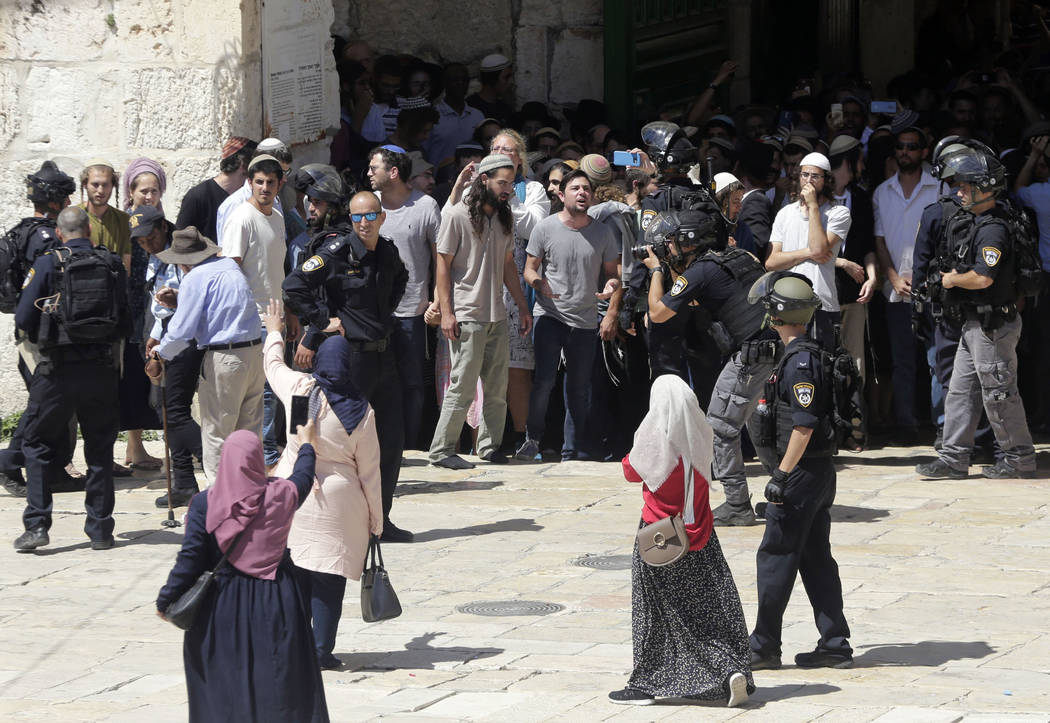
(604, 562)
(501, 608)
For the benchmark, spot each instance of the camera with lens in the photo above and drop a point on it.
(659, 247)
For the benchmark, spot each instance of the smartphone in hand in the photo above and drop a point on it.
(300, 411)
(623, 158)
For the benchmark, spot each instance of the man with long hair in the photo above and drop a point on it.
(475, 260)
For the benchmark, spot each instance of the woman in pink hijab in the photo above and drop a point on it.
(250, 652)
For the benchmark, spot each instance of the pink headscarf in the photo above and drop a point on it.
(243, 498)
(135, 169)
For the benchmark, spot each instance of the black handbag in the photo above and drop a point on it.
(378, 599)
(183, 611)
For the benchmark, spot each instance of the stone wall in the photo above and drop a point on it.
(557, 47)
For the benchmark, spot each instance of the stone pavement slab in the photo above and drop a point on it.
(946, 585)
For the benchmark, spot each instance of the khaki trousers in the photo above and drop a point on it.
(230, 395)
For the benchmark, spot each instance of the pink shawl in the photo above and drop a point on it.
(243, 498)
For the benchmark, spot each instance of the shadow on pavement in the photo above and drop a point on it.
(905, 461)
(769, 693)
(417, 655)
(158, 536)
(846, 513)
(413, 487)
(930, 653)
(518, 524)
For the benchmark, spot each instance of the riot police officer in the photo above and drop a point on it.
(74, 307)
(980, 291)
(363, 278)
(48, 189)
(672, 152)
(796, 425)
(716, 285)
(931, 251)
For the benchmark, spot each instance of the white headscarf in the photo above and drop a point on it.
(674, 427)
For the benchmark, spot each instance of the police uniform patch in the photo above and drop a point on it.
(32, 273)
(679, 286)
(313, 263)
(991, 255)
(647, 218)
(133, 221)
(804, 393)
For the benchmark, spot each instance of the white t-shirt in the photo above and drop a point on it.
(791, 230)
(258, 240)
(414, 228)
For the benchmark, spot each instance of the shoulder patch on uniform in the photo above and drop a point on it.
(313, 263)
(679, 286)
(29, 277)
(804, 393)
(647, 218)
(991, 255)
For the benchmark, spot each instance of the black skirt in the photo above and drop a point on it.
(250, 655)
(687, 626)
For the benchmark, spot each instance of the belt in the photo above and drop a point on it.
(230, 347)
(380, 345)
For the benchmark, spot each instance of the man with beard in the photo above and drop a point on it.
(412, 221)
(357, 276)
(475, 260)
(569, 254)
(898, 203)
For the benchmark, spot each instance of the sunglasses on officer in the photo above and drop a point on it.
(908, 146)
(370, 216)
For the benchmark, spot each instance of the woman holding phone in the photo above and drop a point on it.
(330, 533)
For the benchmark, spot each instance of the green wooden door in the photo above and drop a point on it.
(660, 54)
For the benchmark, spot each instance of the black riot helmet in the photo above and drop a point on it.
(667, 145)
(701, 228)
(49, 184)
(327, 185)
(985, 172)
(788, 297)
(950, 146)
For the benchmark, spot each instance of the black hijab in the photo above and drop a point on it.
(332, 372)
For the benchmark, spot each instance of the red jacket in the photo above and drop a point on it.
(670, 499)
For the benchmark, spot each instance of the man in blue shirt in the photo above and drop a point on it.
(214, 308)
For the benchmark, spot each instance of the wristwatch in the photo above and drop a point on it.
(654, 270)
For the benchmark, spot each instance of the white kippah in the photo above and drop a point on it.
(816, 159)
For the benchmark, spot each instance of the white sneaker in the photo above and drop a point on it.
(737, 684)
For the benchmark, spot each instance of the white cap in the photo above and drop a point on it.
(816, 159)
(269, 145)
(494, 62)
(724, 179)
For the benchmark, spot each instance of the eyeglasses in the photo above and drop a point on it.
(807, 175)
(904, 146)
(370, 216)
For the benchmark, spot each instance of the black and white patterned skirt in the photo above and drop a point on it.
(687, 626)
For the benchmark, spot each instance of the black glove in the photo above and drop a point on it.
(775, 486)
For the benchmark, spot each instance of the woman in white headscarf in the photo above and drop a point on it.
(687, 625)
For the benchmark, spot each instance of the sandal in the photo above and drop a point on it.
(120, 470)
(150, 463)
(74, 472)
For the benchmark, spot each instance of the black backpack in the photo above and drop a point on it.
(14, 266)
(86, 309)
(1024, 240)
(848, 418)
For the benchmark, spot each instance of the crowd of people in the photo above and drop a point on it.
(469, 277)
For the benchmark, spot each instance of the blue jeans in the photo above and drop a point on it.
(551, 338)
(410, 347)
(271, 452)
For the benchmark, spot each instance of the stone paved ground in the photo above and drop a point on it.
(947, 590)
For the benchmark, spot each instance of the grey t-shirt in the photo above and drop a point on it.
(414, 229)
(572, 265)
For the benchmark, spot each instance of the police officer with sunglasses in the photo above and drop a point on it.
(351, 285)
